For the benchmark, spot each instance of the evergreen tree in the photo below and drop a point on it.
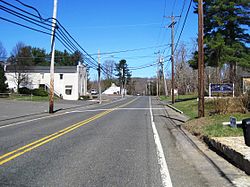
(39, 57)
(3, 85)
(225, 34)
(123, 73)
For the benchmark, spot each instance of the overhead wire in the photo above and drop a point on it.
(129, 50)
(62, 35)
(143, 66)
(182, 9)
(62, 38)
(162, 21)
(184, 23)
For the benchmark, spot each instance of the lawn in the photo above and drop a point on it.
(28, 97)
(179, 97)
(210, 125)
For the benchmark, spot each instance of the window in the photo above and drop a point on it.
(61, 76)
(68, 90)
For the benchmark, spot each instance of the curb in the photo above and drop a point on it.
(236, 158)
(170, 106)
(177, 110)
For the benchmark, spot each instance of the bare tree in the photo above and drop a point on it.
(109, 66)
(185, 76)
(109, 70)
(3, 52)
(21, 58)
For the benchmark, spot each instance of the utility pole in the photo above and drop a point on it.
(124, 81)
(52, 62)
(201, 112)
(99, 78)
(173, 22)
(163, 75)
(149, 88)
(157, 82)
(121, 88)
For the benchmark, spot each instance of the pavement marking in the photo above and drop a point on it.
(20, 151)
(165, 175)
(95, 110)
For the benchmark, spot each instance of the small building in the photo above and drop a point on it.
(70, 82)
(113, 90)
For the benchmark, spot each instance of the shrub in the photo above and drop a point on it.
(85, 97)
(228, 105)
(246, 99)
(39, 92)
(25, 90)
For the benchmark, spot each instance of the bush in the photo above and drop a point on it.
(228, 105)
(25, 90)
(39, 92)
(84, 97)
(246, 100)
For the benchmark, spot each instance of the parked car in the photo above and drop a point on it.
(93, 92)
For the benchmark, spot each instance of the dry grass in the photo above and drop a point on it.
(196, 126)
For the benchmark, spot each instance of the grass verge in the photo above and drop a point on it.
(210, 126)
(29, 98)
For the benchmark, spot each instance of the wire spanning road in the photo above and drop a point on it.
(124, 143)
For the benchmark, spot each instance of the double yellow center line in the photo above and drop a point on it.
(20, 151)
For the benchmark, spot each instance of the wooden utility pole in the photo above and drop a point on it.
(99, 78)
(121, 88)
(163, 76)
(173, 22)
(201, 112)
(52, 62)
(157, 82)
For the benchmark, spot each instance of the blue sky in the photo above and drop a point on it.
(109, 25)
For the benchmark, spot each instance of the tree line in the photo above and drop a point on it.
(226, 38)
(23, 56)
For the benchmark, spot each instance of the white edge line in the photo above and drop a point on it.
(165, 175)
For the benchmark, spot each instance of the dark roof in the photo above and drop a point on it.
(43, 69)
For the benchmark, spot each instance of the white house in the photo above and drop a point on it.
(70, 82)
(113, 89)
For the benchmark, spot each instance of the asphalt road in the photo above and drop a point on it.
(124, 143)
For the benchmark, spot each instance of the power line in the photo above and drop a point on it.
(30, 7)
(185, 19)
(143, 66)
(130, 50)
(162, 21)
(37, 30)
(62, 37)
(39, 17)
(182, 9)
